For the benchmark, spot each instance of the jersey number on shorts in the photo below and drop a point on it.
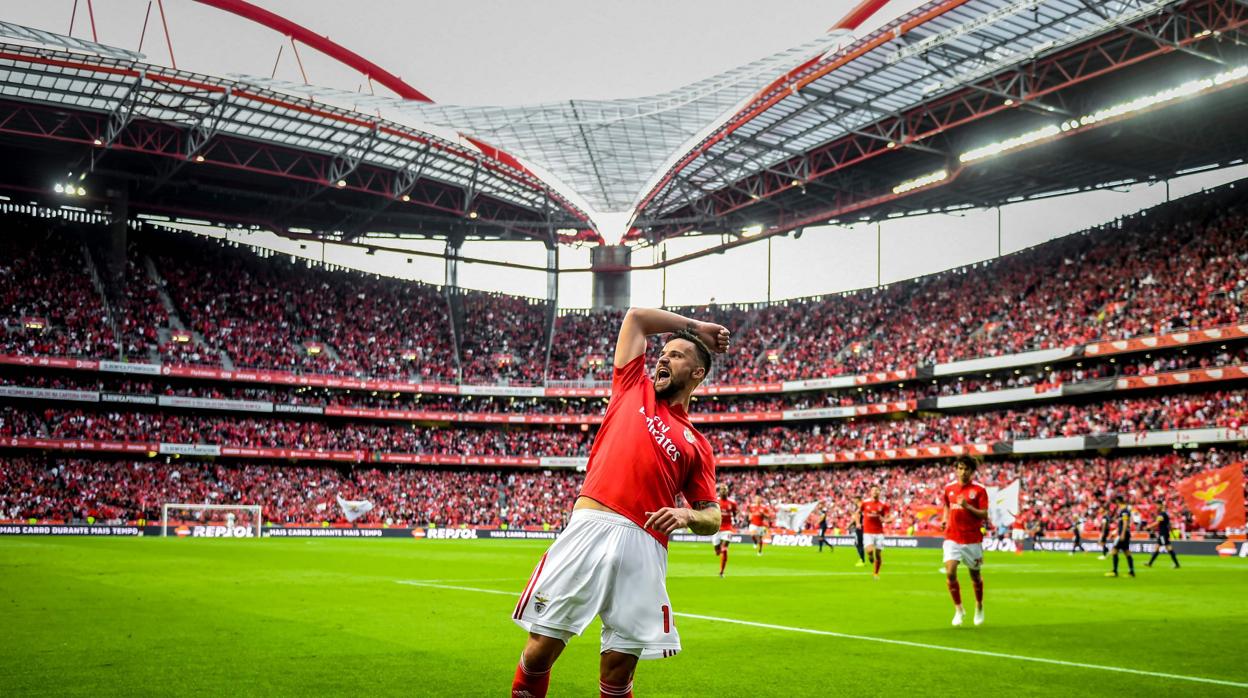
(667, 620)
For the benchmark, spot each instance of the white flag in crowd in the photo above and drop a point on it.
(1003, 505)
(793, 516)
(354, 510)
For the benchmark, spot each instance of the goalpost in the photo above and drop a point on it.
(212, 520)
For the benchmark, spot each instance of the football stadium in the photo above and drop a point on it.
(863, 347)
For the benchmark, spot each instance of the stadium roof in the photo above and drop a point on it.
(846, 137)
(821, 131)
(606, 151)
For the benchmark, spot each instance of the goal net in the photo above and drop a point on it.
(210, 520)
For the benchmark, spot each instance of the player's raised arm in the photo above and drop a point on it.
(640, 323)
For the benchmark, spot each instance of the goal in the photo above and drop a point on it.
(211, 520)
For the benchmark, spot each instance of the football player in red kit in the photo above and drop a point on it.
(873, 513)
(966, 509)
(721, 540)
(760, 515)
(611, 559)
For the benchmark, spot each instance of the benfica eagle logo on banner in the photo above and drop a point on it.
(1216, 498)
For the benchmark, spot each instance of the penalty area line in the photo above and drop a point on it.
(888, 641)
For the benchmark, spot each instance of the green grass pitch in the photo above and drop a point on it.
(112, 617)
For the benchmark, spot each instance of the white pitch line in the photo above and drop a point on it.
(888, 641)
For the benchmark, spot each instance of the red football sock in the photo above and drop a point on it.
(877, 562)
(723, 560)
(529, 684)
(955, 590)
(607, 690)
(978, 583)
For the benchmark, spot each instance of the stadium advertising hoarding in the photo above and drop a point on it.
(1225, 548)
(74, 530)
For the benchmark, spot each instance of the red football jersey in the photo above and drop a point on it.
(727, 509)
(646, 452)
(759, 514)
(873, 513)
(963, 526)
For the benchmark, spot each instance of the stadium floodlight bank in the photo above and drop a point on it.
(212, 520)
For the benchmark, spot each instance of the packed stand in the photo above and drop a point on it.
(267, 313)
(44, 280)
(140, 314)
(74, 489)
(583, 348)
(504, 338)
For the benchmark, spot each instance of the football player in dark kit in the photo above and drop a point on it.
(1161, 528)
(1077, 528)
(1106, 523)
(823, 529)
(855, 525)
(1122, 541)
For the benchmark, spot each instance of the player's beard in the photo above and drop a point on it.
(675, 385)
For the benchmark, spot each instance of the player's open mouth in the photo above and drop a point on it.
(662, 373)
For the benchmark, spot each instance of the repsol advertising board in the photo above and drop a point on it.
(68, 530)
(312, 532)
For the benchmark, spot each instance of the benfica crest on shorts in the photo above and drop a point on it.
(688, 435)
(539, 602)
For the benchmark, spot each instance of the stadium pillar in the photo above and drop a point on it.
(552, 299)
(610, 265)
(769, 270)
(118, 228)
(450, 288)
(998, 231)
(450, 278)
(879, 253)
(552, 274)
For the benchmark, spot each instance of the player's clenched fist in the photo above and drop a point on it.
(668, 519)
(715, 337)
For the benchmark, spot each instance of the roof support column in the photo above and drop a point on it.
(610, 264)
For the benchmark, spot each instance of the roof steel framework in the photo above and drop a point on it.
(121, 103)
(680, 161)
(1203, 28)
(917, 59)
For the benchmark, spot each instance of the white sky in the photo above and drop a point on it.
(507, 52)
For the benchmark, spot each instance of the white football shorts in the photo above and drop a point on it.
(758, 530)
(602, 565)
(721, 537)
(875, 540)
(969, 554)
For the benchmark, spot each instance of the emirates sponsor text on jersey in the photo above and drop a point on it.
(658, 429)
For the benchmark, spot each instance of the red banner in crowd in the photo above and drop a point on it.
(928, 518)
(1216, 497)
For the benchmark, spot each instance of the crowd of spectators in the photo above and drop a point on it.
(75, 489)
(583, 346)
(1174, 266)
(1057, 493)
(1156, 412)
(140, 313)
(504, 338)
(1179, 265)
(1151, 413)
(44, 281)
(274, 313)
